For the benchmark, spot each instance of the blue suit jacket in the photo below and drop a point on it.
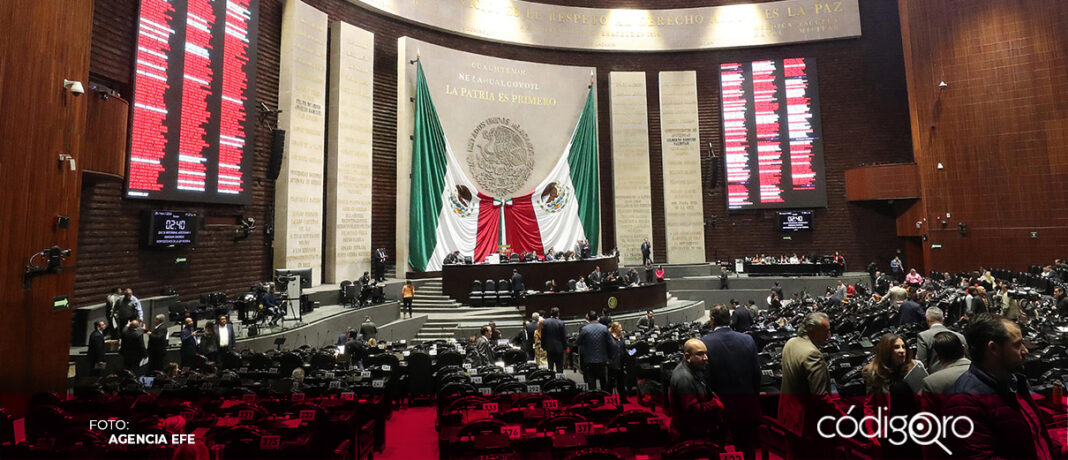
(733, 372)
(595, 343)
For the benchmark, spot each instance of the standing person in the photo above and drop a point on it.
(617, 365)
(997, 400)
(157, 343)
(647, 252)
(896, 269)
(190, 342)
(1062, 301)
(806, 389)
(741, 320)
(650, 277)
(133, 346)
(407, 294)
(529, 329)
(368, 329)
(96, 347)
(128, 308)
(553, 339)
(110, 313)
(224, 335)
(594, 346)
(911, 310)
(209, 343)
(380, 264)
(540, 357)
(887, 388)
(594, 280)
(953, 364)
(695, 410)
(733, 372)
(840, 290)
(483, 349)
(517, 286)
(872, 271)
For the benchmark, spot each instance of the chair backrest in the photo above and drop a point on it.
(571, 285)
(514, 257)
(504, 285)
(490, 285)
(476, 286)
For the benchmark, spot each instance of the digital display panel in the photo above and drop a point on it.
(171, 228)
(795, 221)
(193, 101)
(773, 142)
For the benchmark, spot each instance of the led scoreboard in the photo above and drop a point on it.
(192, 122)
(772, 140)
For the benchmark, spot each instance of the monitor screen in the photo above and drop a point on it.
(772, 139)
(795, 221)
(305, 275)
(170, 228)
(193, 101)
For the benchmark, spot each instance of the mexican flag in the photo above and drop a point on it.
(443, 216)
(447, 212)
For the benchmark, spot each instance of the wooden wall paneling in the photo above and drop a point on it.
(44, 43)
(994, 128)
(105, 135)
(882, 182)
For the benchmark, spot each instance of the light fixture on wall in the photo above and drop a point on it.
(943, 85)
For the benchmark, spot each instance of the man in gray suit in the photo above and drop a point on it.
(950, 351)
(806, 389)
(924, 353)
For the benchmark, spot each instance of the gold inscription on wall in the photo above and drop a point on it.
(302, 98)
(681, 155)
(348, 191)
(630, 164)
(554, 26)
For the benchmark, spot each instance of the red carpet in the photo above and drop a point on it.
(410, 434)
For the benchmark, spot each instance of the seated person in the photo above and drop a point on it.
(550, 286)
(581, 285)
(529, 257)
(550, 255)
(633, 279)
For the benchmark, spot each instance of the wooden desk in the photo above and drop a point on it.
(456, 280)
(577, 304)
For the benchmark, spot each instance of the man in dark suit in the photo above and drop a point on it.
(587, 252)
(594, 280)
(190, 341)
(133, 346)
(483, 349)
(380, 264)
(595, 345)
(517, 285)
(647, 251)
(605, 318)
(528, 335)
(925, 352)
(157, 343)
(224, 334)
(733, 374)
(96, 346)
(553, 340)
(368, 330)
(911, 310)
(741, 320)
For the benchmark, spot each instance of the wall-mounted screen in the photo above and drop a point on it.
(170, 228)
(773, 142)
(795, 221)
(193, 101)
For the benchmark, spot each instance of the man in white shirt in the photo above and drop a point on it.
(224, 333)
(581, 285)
